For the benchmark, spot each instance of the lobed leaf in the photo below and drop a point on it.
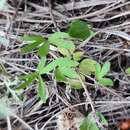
(69, 72)
(61, 40)
(66, 62)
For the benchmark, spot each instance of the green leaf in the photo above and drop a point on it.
(66, 62)
(87, 66)
(61, 62)
(33, 42)
(105, 69)
(106, 82)
(127, 70)
(59, 75)
(28, 79)
(78, 55)
(28, 48)
(44, 49)
(33, 38)
(42, 90)
(79, 29)
(61, 40)
(103, 121)
(41, 64)
(98, 71)
(90, 122)
(69, 72)
(27, 76)
(51, 66)
(75, 83)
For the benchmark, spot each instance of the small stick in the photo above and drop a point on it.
(52, 16)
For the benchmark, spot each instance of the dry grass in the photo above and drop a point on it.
(109, 18)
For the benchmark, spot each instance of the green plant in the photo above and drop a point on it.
(94, 121)
(101, 72)
(64, 66)
(35, 76)
(91, 67)
(35, 42)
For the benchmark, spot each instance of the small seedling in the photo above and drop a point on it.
(65, 65)
(62, 67)
(94, 121)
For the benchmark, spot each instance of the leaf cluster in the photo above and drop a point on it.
(63, 67)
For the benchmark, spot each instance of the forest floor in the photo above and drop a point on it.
(110, 21)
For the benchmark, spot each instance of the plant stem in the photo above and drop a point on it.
(87, 93)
